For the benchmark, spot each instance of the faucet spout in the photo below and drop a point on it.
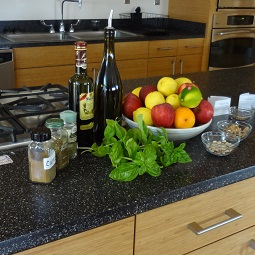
(62, 25)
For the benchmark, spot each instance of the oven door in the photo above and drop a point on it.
(231, 48)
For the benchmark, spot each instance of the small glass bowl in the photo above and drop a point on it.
(240, 114)
(240, 129)
(218, 143)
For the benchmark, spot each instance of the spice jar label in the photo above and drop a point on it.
(49, 162)
(5, 159)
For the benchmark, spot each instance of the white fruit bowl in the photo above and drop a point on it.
(174, 134)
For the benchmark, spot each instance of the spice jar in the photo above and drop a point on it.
(69, 118)
(60, 140)
(41, 156)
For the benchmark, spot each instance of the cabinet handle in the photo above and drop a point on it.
(252, 244)
(165, 48)
(181, 66)
(191, 46)
(173, 67)
(198, 230)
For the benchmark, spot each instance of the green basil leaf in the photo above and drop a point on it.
(124, 172)
(134, 133)
(116, 153)
(109, 131)
(120, 131)
(143, 128)
(153, 169)
(182, 157)
(132, 147)
(142, 169)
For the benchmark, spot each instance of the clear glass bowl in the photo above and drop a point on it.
(240, 114)
(220, 144)
(240, 129)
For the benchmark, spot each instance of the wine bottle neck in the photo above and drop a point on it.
(81, 61)
(109, 42)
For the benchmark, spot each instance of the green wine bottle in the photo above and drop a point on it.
(81, 97)
(108, 88)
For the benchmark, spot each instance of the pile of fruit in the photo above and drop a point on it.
(173, 103)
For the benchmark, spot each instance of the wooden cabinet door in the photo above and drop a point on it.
(188, 64)
(161, 66)
(132, 69)
(113, 239)
(166, 230)
(242, 243)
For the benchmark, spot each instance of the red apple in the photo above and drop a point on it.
(145, 91)
(162, 115)
(131, 103)
(203, 112)
(186, 85)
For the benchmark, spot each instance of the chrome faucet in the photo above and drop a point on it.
(62, 25)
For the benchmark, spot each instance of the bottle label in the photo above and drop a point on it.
(86, 106)
(72, 134)
(49, 162)
(88, 126)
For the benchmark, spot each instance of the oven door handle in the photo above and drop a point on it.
(235, 32)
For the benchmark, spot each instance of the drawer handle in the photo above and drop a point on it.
(198, 230)
(165, 48)
(173, 66)
(252, 244)
(191, 46)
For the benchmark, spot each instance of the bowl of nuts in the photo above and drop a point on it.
(219, 143)
(240, 114)
(238, 128)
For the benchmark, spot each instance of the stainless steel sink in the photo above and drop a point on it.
(80, 35)
(38, 37)
(98, 35)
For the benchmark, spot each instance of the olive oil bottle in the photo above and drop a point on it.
(81, 96)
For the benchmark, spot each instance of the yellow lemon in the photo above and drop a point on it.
(154, 98)
(180, 81)
(136, 91)
(173, 100)
(146, 113)
(167, 86)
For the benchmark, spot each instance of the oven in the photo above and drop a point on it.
(235, 4)
(232, 40)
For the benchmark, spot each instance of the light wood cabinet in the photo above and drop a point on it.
(165, 230)
(35, 66)
(171, 57)
(112, 239)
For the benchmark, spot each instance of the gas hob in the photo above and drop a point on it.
(25, 108)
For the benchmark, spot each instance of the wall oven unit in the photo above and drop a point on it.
(233, 38)
(235, 4)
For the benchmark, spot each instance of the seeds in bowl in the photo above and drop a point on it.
(220, 147)
(236, 130)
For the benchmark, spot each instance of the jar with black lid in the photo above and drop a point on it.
(60, 140)
(41, 156)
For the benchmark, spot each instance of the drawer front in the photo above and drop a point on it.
(161, 66)
(242, 243)
(166, 229)
(114, 239)
(190, 46)
(131, 50)
(44, 75)
(44, 56)
(162, 48)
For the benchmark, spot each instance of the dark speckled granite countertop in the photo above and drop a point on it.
(83, 196)
(169, 29)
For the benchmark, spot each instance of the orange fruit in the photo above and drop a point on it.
(184, 118)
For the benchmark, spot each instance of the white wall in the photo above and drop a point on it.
(91, 9)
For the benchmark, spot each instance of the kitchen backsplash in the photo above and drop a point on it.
(91, 9)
